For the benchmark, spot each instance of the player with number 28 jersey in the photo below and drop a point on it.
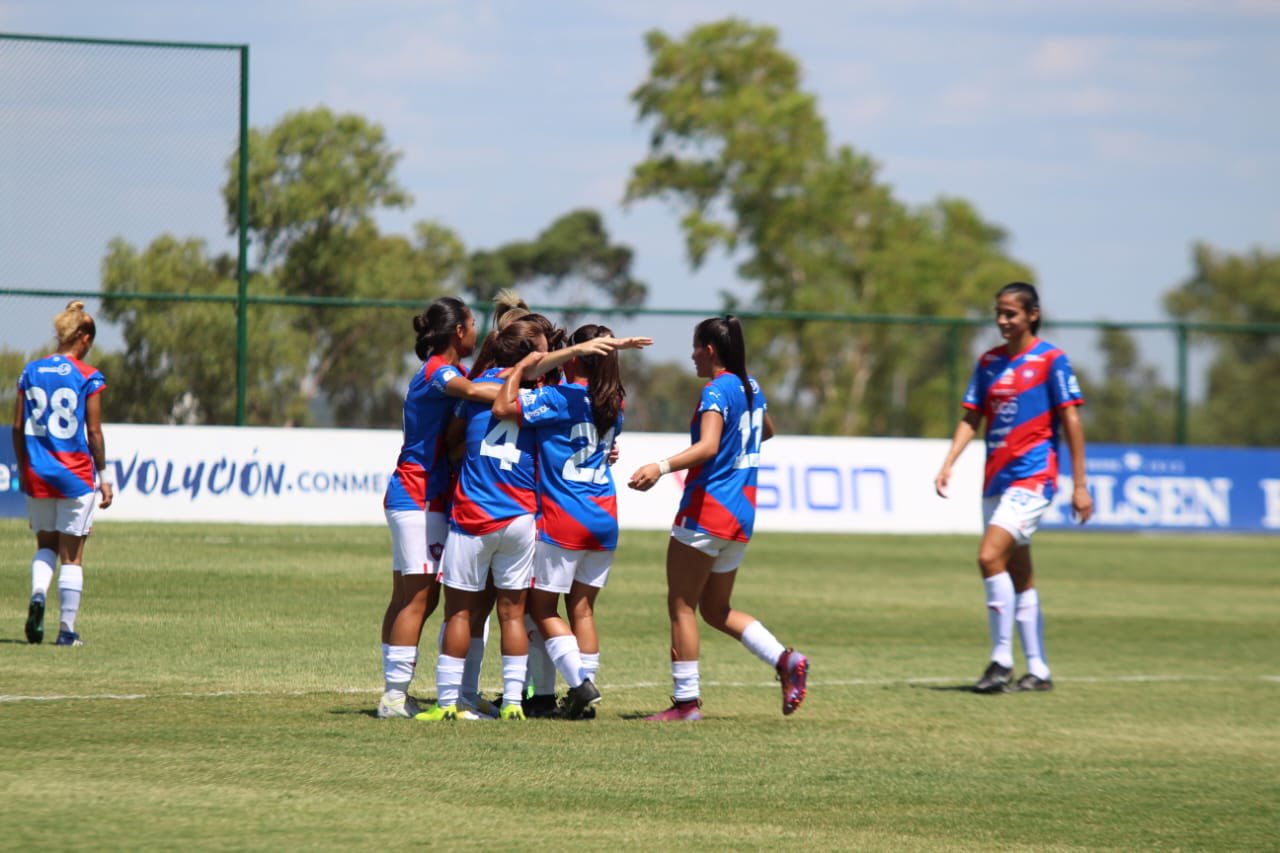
(56, 389)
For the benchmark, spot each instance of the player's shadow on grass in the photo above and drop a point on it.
(947, 688)
(20, 642)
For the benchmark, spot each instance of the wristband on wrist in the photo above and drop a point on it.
(664, 466)
(105, 478)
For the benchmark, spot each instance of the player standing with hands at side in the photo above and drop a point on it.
(1026, 391)
(62, 465)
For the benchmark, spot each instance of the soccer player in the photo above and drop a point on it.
(491, 526)
(715, 519)
(1026, 391)
(62, 466)
(417, 493)
(575, 424)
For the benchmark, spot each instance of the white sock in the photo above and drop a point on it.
(685, 675)
(70, 585)
(398, 665)
(590, 665)
(514, 668)
(42, 571)
(542, 672)
(761, 643)
(448, 679)
(1000, 617)
(563, 650)
(1031, 631)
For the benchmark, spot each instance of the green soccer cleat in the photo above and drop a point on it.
(512, 712)
(35, 620)
(436, 713)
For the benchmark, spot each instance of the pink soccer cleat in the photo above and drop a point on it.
(793, 671)
(684, 710)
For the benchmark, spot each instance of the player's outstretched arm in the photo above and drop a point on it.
(711, 425)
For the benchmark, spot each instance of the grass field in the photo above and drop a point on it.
(225, 699)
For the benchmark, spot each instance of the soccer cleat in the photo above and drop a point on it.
(1031, 682)
(35, 620)
(579, 699)
(480, 705)
(793, 672)
(403, 705)
(68, 638)
(512, 712)
(680, 710)
(995, 679)
(540, 705)
(436, 713)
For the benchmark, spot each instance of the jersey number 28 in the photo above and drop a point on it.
(60, 407)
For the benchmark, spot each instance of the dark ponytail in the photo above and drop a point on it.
(604, 379)
(435, 326)
(1027, 295)
(725, 335)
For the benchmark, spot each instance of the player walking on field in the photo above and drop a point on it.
(575, 424)
(714, 522)
(1028, 395)
(417, 493)
(62, 466)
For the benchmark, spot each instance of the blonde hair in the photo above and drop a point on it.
(71, 322)
(508, 307)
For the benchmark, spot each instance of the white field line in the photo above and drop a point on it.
(638, 685)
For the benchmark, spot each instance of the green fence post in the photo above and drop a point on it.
(1181, 420)
(242, 303)
(953, 370)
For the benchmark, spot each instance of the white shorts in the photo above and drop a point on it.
(555, 569)
(1017, 511)
(62, 515)
(508, 553)
(417, 540)
(728, 552)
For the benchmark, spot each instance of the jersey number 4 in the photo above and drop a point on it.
(500, 443)
(53, 414)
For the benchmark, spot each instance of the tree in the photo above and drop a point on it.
(742, 151)
(1244, 378)
(575, 247)
(178, 365)
(1127, 402)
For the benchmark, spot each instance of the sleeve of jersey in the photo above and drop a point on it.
(441, 378)
(1064, 388)
(96, 383)
(712, 400)
(540, 406)
(974, 393)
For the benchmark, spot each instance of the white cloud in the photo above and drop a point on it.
(1067, 57)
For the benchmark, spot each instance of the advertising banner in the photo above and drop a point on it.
(837, 485)
(1148, 487)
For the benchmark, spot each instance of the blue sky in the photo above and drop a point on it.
(1106, 137)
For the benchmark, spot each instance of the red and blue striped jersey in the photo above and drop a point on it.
(498, 478)
(720, 495)
(421, 477)
(55, 389)
(1021, 398)
(577, 500)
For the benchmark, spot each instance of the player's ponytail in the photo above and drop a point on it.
(72, 322)
(435, 326)
(1027, 295)
(725, 335)
(604, 379)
